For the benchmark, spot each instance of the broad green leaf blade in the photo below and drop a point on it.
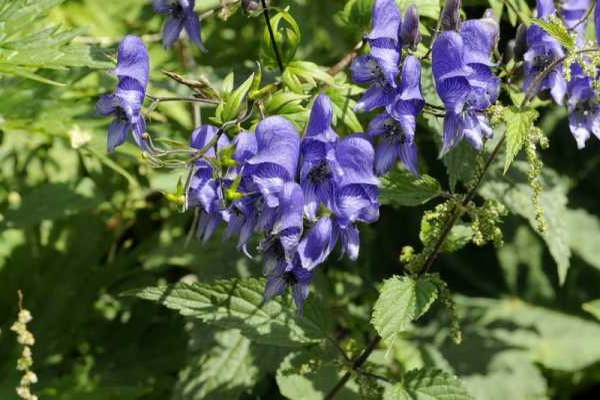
(224, 367)
(514, 192)
(519, 123)
(401, 188)
(428, 384)
(402, 300)
(310, 375)
(584, 235)
(459, 163)
(593, 307)
(238, 303)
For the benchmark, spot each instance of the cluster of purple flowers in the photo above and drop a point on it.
(304, 194)
(403, 101)
(542, 50)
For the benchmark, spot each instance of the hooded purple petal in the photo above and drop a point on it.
(383, 38)
(132, 60)
(410, 35)
(316, 246)
(479, 37)
(319, 122)
(356, 156)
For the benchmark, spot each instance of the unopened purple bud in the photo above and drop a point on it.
(250, 5)
(450, 18)
(520, 42)
(410, 35)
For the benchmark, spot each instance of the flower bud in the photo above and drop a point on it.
(409, 34)
(250, 5)
(520, 42)
(450, 18)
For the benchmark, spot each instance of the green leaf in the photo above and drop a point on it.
(519, 123)
(513, 191)
(593, 307)
(401, 188)
(459, 163)
(238, 303)
(282, 103)
(223, 369)
(287, 36)
(558, 31)
(310, 375)
(583, 232)
(401, 301)
(53, 201)
(428, 384)
(297, 72)
(233, 101)
(343, 105)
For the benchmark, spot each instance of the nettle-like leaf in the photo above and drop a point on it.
(401, 188)
(557, 29)
(519, 123)
(514, 192)
(233, 101)
(402, 299)
(584, 235)
(428, 384)
(238, 303)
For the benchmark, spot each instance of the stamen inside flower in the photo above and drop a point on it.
(320, 173)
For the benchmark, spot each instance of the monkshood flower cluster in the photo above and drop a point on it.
(125, 104)
(181, 16)
(402, 101)
(304, 195)
(581, 96)
(464, 80)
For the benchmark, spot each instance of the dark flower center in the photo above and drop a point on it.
(393, 131)
(586, 107)
(541, 61)
(177, 10)
(319, 173)
(121, 115)
(289, 278)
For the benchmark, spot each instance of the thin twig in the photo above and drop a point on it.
(161, 99)
(272, 35)
(346, 59)
(584, 18)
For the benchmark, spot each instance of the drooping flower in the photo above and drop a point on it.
(465, 82)
(276, 159)
(318, 166)
(133, 60)
(584, 107)
(396, 126)
(290, 275)
(206, 189)
(450, 17)
(316, 246)
(380, 68)
(542, 51)
(572, 12)
(180, 15)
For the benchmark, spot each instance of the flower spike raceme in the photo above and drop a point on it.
(403, 101)
(126, 102)
(465, 82)
(181, 15)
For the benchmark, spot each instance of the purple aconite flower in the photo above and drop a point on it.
(542, 51)
(316, 246)
(409, 33)
(290, 275)
(380, 68)
(318, 167)
(205, 189)
(450, 17)
(572, 12)
(126, 101)
(180, 15)
(465, 82)
(584, 107)
(396, 126)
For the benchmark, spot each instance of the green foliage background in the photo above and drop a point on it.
(79, 228)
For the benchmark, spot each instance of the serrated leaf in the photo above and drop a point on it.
(309, 375)
(519, 123)
(224, 367)
(584, 235)
(428, 384)
(593, 307)
(401, 188)
(558, 31)
(402, 300)
(238, 304)
(233, 102)
(514, 192)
